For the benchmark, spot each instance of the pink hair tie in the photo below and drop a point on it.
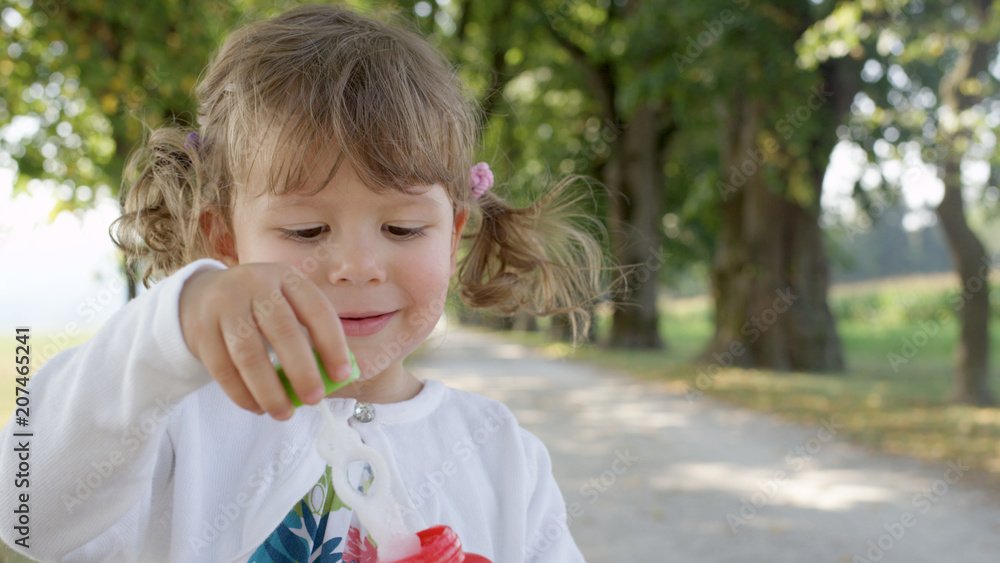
(480, 179)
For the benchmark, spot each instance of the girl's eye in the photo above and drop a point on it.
(403, 232)
(305, 234)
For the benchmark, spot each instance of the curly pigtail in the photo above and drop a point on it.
(164, 194)
(545, 258)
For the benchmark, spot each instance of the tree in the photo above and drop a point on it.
(776, 120)
(929, 88)
(621, 55)
(88, 79)
(645, 69)
(95, 74)
(565, 82)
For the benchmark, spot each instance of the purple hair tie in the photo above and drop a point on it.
(480, 179)
(193, 141)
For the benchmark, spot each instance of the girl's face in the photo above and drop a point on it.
(383, 260)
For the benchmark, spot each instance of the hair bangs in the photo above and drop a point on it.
(381, 98)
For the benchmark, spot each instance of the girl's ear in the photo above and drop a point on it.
(221, 244)
(460, 219)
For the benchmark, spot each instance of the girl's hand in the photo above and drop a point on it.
(226, 315)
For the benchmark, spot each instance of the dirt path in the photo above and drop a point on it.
(651, 476)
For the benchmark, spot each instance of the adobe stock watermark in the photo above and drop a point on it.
(565, 10)
(50, 7)
(462, 451)
(132, 438)
(652, 264)
(709, 32)
(110, 295)
(795, 461)
(644, 271)
(899, 11)
(753, 329)
(740, 173)
(922, 502)
(210, 528)
(592, 491)
(927, 329)
(154, 77)
(600, 146)
(880, 205)
(417, 322)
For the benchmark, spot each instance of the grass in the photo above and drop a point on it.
(898, 411)
(8, 555)
(43, 346)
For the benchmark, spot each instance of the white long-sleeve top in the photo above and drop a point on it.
(136, 454)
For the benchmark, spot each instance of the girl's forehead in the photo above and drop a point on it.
(282, 166)
(433, 197)
(346, 191)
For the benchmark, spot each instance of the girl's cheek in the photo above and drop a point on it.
(428, 260)
(258, 249)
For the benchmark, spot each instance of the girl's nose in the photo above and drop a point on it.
(356, 263)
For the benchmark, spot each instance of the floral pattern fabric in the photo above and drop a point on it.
(314, 531)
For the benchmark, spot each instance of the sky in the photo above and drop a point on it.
(59, 273)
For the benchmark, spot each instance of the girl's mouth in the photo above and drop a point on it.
(365, 324)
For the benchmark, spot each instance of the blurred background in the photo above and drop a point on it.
(806, 191)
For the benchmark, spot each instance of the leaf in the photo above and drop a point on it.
(320, 531)
(276, 555)
(331, 502)
(309, 520)
(327, 554)
(293, 520)
(297, 547)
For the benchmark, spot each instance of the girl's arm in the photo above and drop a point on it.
(547, 529)
(97, 430)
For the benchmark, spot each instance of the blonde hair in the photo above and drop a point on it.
(326, 78)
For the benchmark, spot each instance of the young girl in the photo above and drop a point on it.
(319, 206)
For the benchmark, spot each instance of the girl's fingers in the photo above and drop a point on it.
(314, 311)
(249, 355)
(215, 356)
(290, 342)
(275, 301)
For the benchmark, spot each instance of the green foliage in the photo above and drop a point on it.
(888, 306)
(105, 72)
(89, 78)
(908, 48)
(554, 116)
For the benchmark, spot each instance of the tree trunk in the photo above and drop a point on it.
(525, 322)
(131, 277)
(971, 378)
(769, 273)
(469, 316)
(498, 322)
(635, 176)
(560, 328)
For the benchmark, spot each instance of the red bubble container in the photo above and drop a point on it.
(440, 544)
